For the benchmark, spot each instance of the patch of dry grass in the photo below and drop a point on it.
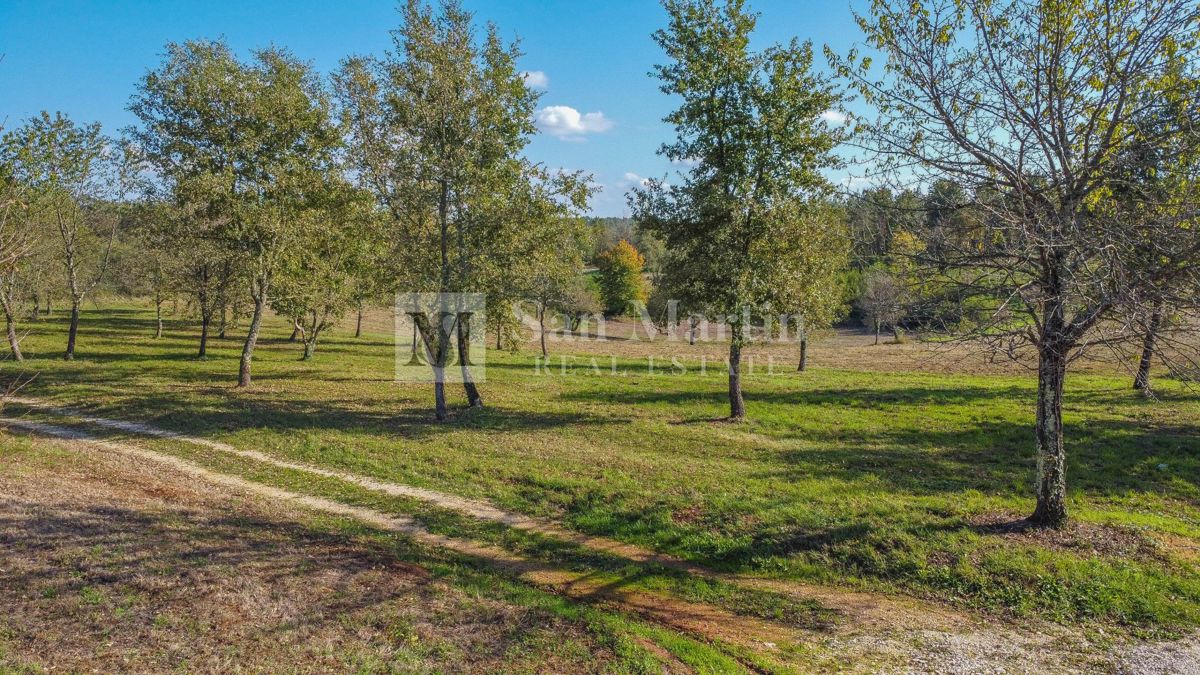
(126, 568)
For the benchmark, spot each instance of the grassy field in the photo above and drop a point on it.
(112, 565)
(885, 476)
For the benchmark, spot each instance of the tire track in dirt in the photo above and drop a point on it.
(706, 622)
(873, 628)
(858, 609)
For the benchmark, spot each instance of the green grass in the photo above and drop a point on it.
(856, 478)
(624, 637)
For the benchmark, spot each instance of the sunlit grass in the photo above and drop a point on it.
(878, 480)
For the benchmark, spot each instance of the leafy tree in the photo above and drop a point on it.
(72, 172)
(150, 259)
(556, 266)
(246, 146)
(320, 282)
(18, 241)
(808, 268)
(437, 128)
(622, 286)
(580, 304)
(1158, 181)
(750, 124)
(1029, 106)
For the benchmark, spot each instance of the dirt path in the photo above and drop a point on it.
(867, 610)
(705, 621)
(874, 629)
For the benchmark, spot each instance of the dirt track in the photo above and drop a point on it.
(889, 633)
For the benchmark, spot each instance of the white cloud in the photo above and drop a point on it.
(568, 124)
(853, 183)
(835, 117)
(536, 79)
(634, 179)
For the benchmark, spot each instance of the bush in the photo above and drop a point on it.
(622, 287)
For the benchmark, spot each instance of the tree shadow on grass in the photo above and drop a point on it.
(857, 397)
(1104, 458)
(249, 581)
(207, 411)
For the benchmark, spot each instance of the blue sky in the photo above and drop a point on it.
(84, 57)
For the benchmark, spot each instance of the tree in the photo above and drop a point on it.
(150, 259)
(882, 299)
(622, 287)
(580, 304)
(808, 270)
(1158, 179)
(436, 129)
(246, 146)
(320, 281)
(17, 243)
(557, 282)
(1029, 105)
(71, 172)
(750, 123)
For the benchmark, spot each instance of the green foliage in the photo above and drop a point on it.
(437, 128)
(739, 225)
(622, 286)
(74, 183)
(321, 281)
(746, 229)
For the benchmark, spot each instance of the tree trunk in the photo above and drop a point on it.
(295, 330)
(205, 319)
(803, 355)
(464, 360)
(878, 328)
(49, 310)
(439, 393)
(437, 347)
(260, 302)
(413, 358)
(1051, 508)
(358, 325)
(37, 308)
(737, 406)
(542, 328)
(1141, 381)
(692, 332)
(312, 336)
(158, 302)
(14, 344)
(73, 331)
(224, 322)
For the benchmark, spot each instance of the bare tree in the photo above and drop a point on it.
(1029, 105)
(882, 300)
